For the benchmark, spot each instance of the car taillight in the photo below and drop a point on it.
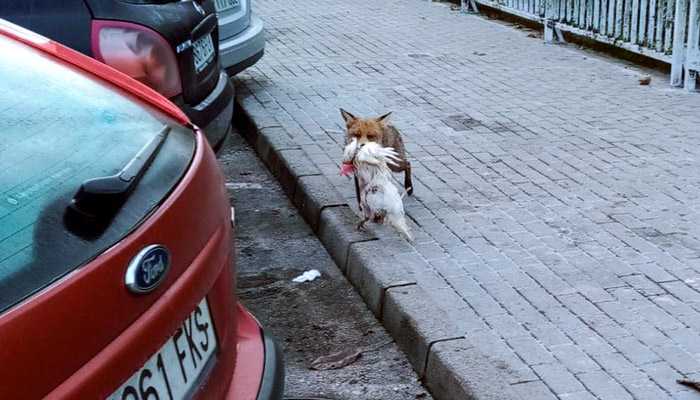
(139, 52)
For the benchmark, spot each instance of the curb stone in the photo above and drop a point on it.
(416, 324)
(370, 270)
(455, 366)
(336, 237)
(312, 196)
(449, 365)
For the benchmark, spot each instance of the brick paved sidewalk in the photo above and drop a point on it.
(556, 205)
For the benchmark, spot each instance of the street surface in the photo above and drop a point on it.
(312, 319)
(556, 199)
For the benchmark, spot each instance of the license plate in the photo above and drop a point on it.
(173, 372)
(203, 49)
(223, 5)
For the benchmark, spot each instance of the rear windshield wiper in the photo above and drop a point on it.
(98, 200)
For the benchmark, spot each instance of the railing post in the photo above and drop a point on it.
(642, 31)
(660, 25)
(626, 20)
(668, 22)
(634, 22)
(678, 57)
(650, 24)
(692, 50)
(465, 4)
(618, 18)
(610, 29)
(548, 28)
(569, 12)
(551, 33)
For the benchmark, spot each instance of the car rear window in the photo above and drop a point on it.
(58, 128)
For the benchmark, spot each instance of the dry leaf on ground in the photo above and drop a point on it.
(336, 360)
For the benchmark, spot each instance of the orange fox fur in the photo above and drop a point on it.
(378, 131)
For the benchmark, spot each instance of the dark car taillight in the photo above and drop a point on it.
(139, 52)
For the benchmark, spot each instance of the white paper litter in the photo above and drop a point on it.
(307, 276)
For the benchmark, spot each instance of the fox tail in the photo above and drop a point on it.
(398, 222)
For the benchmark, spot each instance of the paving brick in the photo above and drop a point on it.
(659, 318)
(593, 344)
(648, 334)
(679, 359)
(578, 305)
(467, 320)
(634, 350)
(584, 395)
(663, 375)
(446, 267)
(682, 291)
(619, 312)
(619, 367)
(559, 380)
(506, 325)
(530, 350)
(574, 359)
(688, 340)
(484, 305)
(646, 390)
(600, 384)
(536, 389)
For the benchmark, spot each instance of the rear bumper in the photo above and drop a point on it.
(244, 49)
(259, 371)
(272, 385)
(213, 114)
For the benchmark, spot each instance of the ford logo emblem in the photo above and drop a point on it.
(148, 269)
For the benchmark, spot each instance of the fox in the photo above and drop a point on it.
(377, 130)
(379, 199)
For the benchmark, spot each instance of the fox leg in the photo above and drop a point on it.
(361, 224)
(357, 192)
(407, 178)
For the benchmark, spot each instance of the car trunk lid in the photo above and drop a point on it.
(188, 26)
(63, 293)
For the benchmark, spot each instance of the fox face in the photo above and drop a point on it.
(365, 130)
(376, 130)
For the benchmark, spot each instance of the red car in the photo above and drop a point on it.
(116, 242)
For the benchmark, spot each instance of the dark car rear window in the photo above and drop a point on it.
(58, 128)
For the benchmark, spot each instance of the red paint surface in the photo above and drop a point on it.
(249, 364)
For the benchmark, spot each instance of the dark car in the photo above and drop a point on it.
(117, 277)
(169, 45)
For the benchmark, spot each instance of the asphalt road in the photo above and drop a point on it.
(312, 319)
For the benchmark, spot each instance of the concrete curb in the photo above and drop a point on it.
(450, 366)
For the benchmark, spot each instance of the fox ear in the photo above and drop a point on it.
(349, 118)
(384, 117)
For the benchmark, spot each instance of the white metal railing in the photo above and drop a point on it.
(666, 30)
